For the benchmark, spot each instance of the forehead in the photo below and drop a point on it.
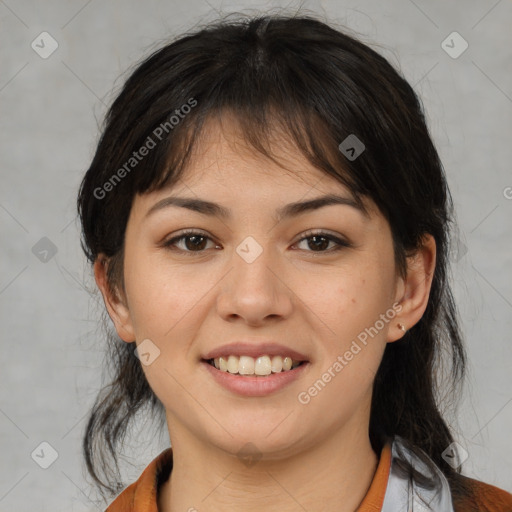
(222, 156)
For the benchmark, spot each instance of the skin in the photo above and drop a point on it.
(314, 456)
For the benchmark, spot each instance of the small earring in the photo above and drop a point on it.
(401, 326)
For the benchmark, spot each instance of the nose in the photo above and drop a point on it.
(254, 292)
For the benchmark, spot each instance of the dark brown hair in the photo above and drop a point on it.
(319, 85)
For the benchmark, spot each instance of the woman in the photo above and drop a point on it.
(268, 222)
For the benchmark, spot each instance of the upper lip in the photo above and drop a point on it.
(241, 348)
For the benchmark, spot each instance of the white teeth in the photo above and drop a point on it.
(223, 364)
(246, 365)
(277, 364)
(233, 364)
(263, 366)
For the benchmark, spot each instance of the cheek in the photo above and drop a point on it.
(351, 344)
(164, 303)
(349, 303)
(158, 296)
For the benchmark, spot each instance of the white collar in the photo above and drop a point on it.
(404, 494)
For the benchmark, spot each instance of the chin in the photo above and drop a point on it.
(258, 443)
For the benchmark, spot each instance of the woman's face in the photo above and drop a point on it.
(257, 276)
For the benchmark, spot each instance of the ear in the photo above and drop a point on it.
(115, 303)
(412, 292)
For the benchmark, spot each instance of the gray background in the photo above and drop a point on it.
(51, 349)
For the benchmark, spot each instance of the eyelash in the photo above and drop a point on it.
(341, 244)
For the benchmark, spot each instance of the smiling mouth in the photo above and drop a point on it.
(248, 366)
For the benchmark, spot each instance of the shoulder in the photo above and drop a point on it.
(475, 496)
(142, 495)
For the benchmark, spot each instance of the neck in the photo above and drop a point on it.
(333, 476)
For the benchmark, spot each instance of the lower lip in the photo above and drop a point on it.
(255, 386)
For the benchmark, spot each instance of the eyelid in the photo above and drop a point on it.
(323, 232)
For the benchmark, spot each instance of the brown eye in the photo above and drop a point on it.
(194, 242)
(188, 242)
(319, 242)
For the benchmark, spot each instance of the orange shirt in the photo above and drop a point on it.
(141, 496)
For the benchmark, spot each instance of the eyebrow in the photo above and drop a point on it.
(290, 210)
